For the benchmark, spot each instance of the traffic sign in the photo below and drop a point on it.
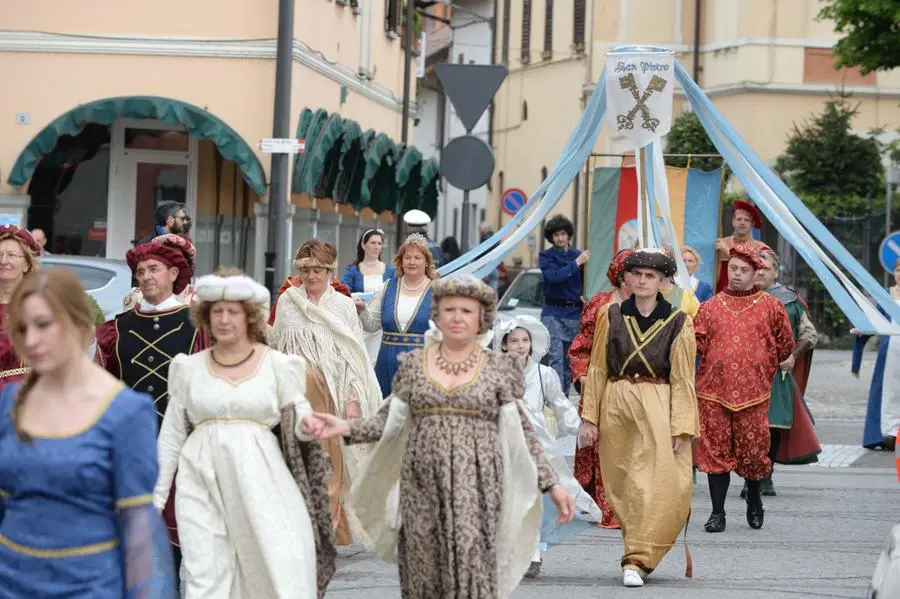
(281, 145)
(512, 201)
(889, 252)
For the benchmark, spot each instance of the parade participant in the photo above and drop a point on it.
(417, 222)
(682, 299)
(792, 436)
(563, 289)
(883, 411)
(321, 325)
(296, 281)
(526, 337)
(702, 290)
(137, 346)
(470, 468)
(746, 218)
(78, 462)
(18, 258)
(400, 309)
(187, 295)
(743, 334)
(639, 401)
(587, 466)
(250, 521)
(367, 275)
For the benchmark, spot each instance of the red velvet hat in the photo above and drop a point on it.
(21, 234)
(172, 255)
(617, 266)
(751, 210)
(746, 255)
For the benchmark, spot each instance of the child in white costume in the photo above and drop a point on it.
(527, 337)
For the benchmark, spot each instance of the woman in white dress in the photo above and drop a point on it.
(528, 338)
(366, 276)
(321, 325)
(245, 515)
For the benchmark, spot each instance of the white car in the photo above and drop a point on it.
(525, 296)
(107, 281)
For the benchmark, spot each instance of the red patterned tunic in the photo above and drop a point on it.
(12, 369)
(742, 336)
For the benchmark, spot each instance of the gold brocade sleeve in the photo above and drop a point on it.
(689, 303)
(595, 384)
(684, 418)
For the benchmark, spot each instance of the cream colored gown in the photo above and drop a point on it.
(243, 524)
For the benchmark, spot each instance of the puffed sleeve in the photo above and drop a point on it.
(781, 328)
(291, 375)
(580, 350)
(567, 420)
(371, 316)
(512, 389)
(684, 418)
(107, 337)
(149, 569)
(595, 384)
(700, 327)
(173, 432)
(369, 430)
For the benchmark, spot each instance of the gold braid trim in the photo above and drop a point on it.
(15, 372)
(83, 550)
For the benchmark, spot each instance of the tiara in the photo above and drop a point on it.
(417, 238)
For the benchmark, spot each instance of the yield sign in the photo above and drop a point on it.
(470, 87)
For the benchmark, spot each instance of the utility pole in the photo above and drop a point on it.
(279, 185)
(407, 75)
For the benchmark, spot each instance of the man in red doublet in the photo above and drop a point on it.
(743, 335)
(587, 464)
(746, 218)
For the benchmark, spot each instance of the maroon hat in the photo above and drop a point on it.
(172, 255)
(751, 210)
(20, 234)
(746, 255)
(617, 266)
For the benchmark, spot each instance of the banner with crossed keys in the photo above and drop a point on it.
(639, 92)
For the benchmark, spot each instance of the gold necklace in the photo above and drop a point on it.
(744, 309)
(456, 368)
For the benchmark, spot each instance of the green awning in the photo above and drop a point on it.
(351, 170)
(379, 190)
(327, 185)
(408, 176)
(197, 121)
(309, 130)
(430, 178)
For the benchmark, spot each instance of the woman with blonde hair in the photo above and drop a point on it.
(320, 325)
(456, 449)
(401, 307)
(77, 461)
(18, 258)
(251, 510)
(692, 260)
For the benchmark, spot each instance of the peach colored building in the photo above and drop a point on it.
(119, 106)
(765, 65)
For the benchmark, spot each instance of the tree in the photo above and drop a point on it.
(870, 30)
(836, 172)
(688, 136)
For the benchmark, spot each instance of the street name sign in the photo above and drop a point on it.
(277, 145)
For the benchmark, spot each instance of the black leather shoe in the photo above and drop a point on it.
(767, 488)
(716, 523)
(755, 516)
(533, 570)
(744, 491)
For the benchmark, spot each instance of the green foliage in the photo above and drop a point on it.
(688, 136)
(870, 31)
(98, 312)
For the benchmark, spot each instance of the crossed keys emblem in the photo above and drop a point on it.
(626, 121)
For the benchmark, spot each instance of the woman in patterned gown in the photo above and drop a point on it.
(469, 466)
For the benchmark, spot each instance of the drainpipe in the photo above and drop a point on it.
(697, 9)
(279, 186)
(493, 26)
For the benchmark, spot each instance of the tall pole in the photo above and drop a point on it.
(279, 189)
(407, 75)
(464, 234)
(888, 208)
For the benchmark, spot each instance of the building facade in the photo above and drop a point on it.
(124, 105)
(765, 66)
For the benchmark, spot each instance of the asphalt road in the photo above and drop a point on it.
(822, 536)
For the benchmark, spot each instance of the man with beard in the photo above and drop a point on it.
(792, 436)
(743, 334)
(171, 217)
(746, 218)
(138, 345)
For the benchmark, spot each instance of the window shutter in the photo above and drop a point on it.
(504, 53)
(578, 33)
(526, 31)
(548, 30)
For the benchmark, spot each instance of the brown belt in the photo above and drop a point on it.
(635, 379)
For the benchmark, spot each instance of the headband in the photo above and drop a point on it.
(310, 262)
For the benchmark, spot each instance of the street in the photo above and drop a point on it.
(822, 535)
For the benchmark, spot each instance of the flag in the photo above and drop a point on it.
(695, 200)
(639, 91)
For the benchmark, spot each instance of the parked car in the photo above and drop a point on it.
(107, 281)
(525, 295)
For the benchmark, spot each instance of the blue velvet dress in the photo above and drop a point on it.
(356, 281)
(872, 433)
(395, 340)
(76, 513)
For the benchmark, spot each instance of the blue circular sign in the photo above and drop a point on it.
(512, 201)
(889, 251)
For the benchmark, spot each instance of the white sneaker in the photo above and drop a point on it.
(632, 578)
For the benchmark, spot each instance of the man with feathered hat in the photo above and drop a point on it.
(138, 345)
(746, 219)
(744, 335)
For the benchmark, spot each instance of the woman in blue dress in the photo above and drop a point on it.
(78, 462)
(366, 276)
(883, 411)
(402, 308)
(702, 291)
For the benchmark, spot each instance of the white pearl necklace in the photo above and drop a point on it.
(411, 289)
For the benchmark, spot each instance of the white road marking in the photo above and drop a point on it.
(839, 456)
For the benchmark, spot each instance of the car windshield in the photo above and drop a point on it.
(527, 291)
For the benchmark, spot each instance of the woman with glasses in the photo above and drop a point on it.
(18, 257)
(368, 275)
